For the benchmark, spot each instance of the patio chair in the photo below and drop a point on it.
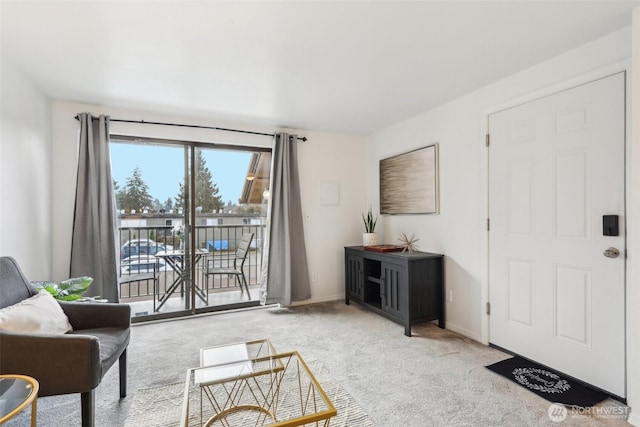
(238, 263)
(62, 363)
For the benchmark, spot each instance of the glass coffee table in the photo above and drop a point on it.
(16, 393)
(250, 384)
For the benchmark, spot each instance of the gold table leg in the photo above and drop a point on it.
(34, 412)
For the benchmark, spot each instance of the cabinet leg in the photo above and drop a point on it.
(441, 322)
(407, 330)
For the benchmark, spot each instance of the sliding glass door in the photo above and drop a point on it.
(183, 211)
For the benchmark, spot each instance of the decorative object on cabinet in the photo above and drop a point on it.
(369, 237)
(384, 248)
(409, 182)
(408, 243)
(406, 288)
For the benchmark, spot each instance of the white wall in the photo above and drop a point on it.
(633, 259)
(327, 230)
(25, 173)
(328, 160)
(459, 231)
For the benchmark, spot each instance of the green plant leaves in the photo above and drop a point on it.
(67, 290)
(76, 285)
(369, 222)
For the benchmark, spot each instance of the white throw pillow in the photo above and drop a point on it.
(39, 314)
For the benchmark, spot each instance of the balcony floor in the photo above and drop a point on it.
(143, 306)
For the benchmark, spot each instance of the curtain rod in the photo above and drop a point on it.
(304, 138)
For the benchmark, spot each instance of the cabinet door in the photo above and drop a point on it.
(355, 276)
(393, 289)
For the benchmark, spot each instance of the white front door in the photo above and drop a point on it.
(556, 167)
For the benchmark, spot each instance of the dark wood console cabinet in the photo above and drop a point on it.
(406, 288)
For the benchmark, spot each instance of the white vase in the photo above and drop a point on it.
(369, 239)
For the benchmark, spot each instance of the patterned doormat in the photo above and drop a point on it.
(161, 406)
(548, 384)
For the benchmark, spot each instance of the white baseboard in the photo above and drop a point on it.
(462, 331)
(634, 418)
(328, 298)
(450, 326)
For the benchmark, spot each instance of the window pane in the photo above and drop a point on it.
(230, 195)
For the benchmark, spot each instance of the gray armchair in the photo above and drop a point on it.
(69, 363)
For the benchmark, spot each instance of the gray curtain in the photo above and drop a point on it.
(94, 251)
(287, 273)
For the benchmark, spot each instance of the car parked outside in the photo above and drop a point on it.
(137, 258)
(142, 266)
(142, 247)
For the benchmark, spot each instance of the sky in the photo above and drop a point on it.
(163, 168)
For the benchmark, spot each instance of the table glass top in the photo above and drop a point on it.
(178, 253)
(14, 391)
(232, 360)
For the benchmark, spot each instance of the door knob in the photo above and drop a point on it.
(611, 253)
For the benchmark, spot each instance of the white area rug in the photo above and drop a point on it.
(162, 406)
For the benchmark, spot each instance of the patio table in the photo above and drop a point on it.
(176, 260)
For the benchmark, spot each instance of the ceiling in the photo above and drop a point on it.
(257, 181)
(338, 66)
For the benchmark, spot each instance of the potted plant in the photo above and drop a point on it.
(369, 237)
(67, 290)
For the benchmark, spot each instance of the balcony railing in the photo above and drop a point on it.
(143, 276)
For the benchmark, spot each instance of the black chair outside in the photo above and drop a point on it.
(74, 362)
(129, 278)
(238, 264)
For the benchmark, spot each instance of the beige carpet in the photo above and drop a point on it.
(162, 406)
(435, 378)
